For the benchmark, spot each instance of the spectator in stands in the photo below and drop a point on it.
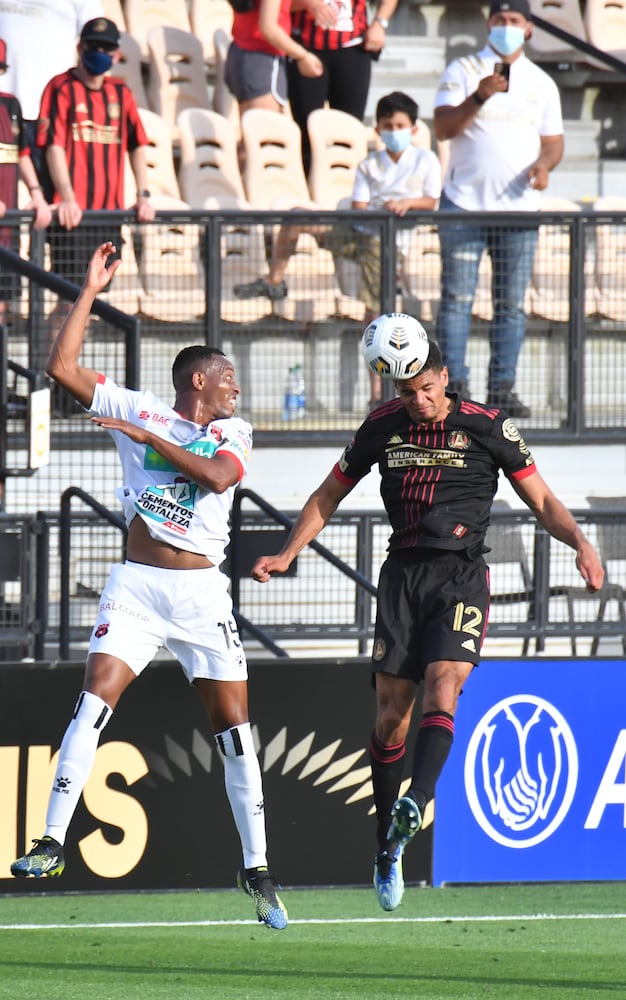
(255, 71)
(15, 163)
(181, 465)
(88, 122)
(502, 115)
(346, 51)
(439, 458)
(41, 38)
(401, 178)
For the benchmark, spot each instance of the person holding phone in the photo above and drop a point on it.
(502, 115)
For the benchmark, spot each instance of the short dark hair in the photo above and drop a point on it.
(190, 360)
(434, 361)
(397, 101)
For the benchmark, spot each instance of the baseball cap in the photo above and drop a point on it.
(100, 29)
(518, 6)
(3, 54)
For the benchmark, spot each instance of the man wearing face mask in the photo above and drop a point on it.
(88, 122)
(502, 115)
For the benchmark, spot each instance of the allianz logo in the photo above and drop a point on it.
(522, 771)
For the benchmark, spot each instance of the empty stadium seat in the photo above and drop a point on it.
(143, 15)
(207, 17)
(610, 270)
(564, 14)
(209, 167)
(128, 69)
(273, 172)
(549, 287)
(170, 269)
(177, 79)
(338, 144)
(605, 23)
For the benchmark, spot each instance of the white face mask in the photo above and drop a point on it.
(507, 38)
(396, 140)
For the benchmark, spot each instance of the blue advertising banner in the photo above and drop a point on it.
(535, 786)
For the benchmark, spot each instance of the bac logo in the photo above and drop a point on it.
(521, 771)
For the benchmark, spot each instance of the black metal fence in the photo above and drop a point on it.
(56, 566)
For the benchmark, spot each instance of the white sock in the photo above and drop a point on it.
(244, 788)
(76, 758)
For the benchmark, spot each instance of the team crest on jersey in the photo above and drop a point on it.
(459, 531)
(216, 432)
(114, 110)
(510, 431)
(379, 649)
(101, 631)
(458, 439)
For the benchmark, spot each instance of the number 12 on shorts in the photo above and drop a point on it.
(468, 619)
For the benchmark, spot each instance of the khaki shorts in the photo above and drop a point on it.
(189, 612)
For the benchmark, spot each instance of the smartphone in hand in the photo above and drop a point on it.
(504, 69)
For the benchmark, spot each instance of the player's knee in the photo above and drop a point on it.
(236, 741)
(91, 711)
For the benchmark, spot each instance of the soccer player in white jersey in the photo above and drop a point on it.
(180, 466)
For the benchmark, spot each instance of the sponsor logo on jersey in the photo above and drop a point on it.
(122, 609)
(410, 455)
(156, 418)
(172, 504)
(521, 771)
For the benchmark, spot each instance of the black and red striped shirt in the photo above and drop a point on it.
(96, 128)
(438, 480)
(13, 144)
(312, 36)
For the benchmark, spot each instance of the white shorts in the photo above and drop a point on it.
(189, 611)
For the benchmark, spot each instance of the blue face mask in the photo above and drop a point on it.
(397, 140)
(507, 38)
(95, 62)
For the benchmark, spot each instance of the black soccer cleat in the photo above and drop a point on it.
(44, 860)
(258, 883)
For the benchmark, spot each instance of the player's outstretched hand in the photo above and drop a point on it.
(266, 566)
(590, 566)
(98, 273)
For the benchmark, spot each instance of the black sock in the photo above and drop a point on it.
(432, 747)
(387, 764)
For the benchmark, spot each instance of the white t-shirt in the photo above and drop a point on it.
(378, 179)
(41, 38)
(173, 509)
(489, 160)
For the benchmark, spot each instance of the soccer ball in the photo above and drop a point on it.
(395, 346)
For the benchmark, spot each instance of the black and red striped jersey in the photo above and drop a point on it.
(13, 144)
(438, 480)
(352, 13)
(96, 128)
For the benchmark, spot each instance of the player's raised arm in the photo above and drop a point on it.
(62, 364)
(315, 514)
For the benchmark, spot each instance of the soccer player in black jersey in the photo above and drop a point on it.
(439, 457)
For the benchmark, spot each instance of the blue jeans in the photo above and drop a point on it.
(512, 251)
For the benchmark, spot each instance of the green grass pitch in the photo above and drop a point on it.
(512, 942)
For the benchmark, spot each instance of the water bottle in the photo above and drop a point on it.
(295, 398)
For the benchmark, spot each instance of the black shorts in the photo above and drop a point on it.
(71, 250)
(432, 605)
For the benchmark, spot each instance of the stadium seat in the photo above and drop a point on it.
(124, 292)
(605, 23)
(420, 274)
(209, 167)
(143, 15)
(338, 144)
(210, 179)
(128, 69)
(159, 160)
(610, 271)
(114, 11)
(170, 269)
(564, 14)
(273, 172)
(177, 79)
(549, 286)
(207, 17)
